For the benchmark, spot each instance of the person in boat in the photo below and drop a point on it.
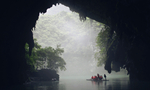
(105, 76)
(95, 78)
(98, 76)
(92, 77)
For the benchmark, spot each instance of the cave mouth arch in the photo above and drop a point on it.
(130, 20)
(70, 20)
(57, 10)
(75, 33)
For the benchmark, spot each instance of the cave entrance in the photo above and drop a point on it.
(60, 26)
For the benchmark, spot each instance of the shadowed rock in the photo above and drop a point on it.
(129, 19)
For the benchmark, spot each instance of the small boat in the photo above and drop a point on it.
(97, 80)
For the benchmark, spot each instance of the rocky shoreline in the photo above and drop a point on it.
(43, 75)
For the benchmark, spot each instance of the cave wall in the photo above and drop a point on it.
(18, 17)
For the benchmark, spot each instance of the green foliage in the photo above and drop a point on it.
(31, 60)
(104, 42)
(41, 56)
(64, 28)
(52, 57)
(101, 41)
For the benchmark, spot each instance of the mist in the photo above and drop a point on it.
(61, 26)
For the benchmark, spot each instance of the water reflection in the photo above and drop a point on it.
(97, 82)
(77, 84)
(116, 84)
(43, 86)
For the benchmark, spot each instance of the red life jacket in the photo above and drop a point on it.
(101, 77)
(95, 77)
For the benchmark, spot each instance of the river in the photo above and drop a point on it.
(76, 83)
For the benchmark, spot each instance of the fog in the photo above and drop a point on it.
(56, 9)
(79, 46)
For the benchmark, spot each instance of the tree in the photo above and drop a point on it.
(52, 58)
(31, 60)
(101, 41)
(108, 43)
(47, 57)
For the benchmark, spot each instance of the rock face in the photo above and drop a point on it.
(130, 19)
(17, 19)
(44, 75)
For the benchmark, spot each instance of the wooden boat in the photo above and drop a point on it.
(97, 80)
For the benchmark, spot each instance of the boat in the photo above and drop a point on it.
(97, 80)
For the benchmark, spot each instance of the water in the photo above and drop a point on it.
(76, 83)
